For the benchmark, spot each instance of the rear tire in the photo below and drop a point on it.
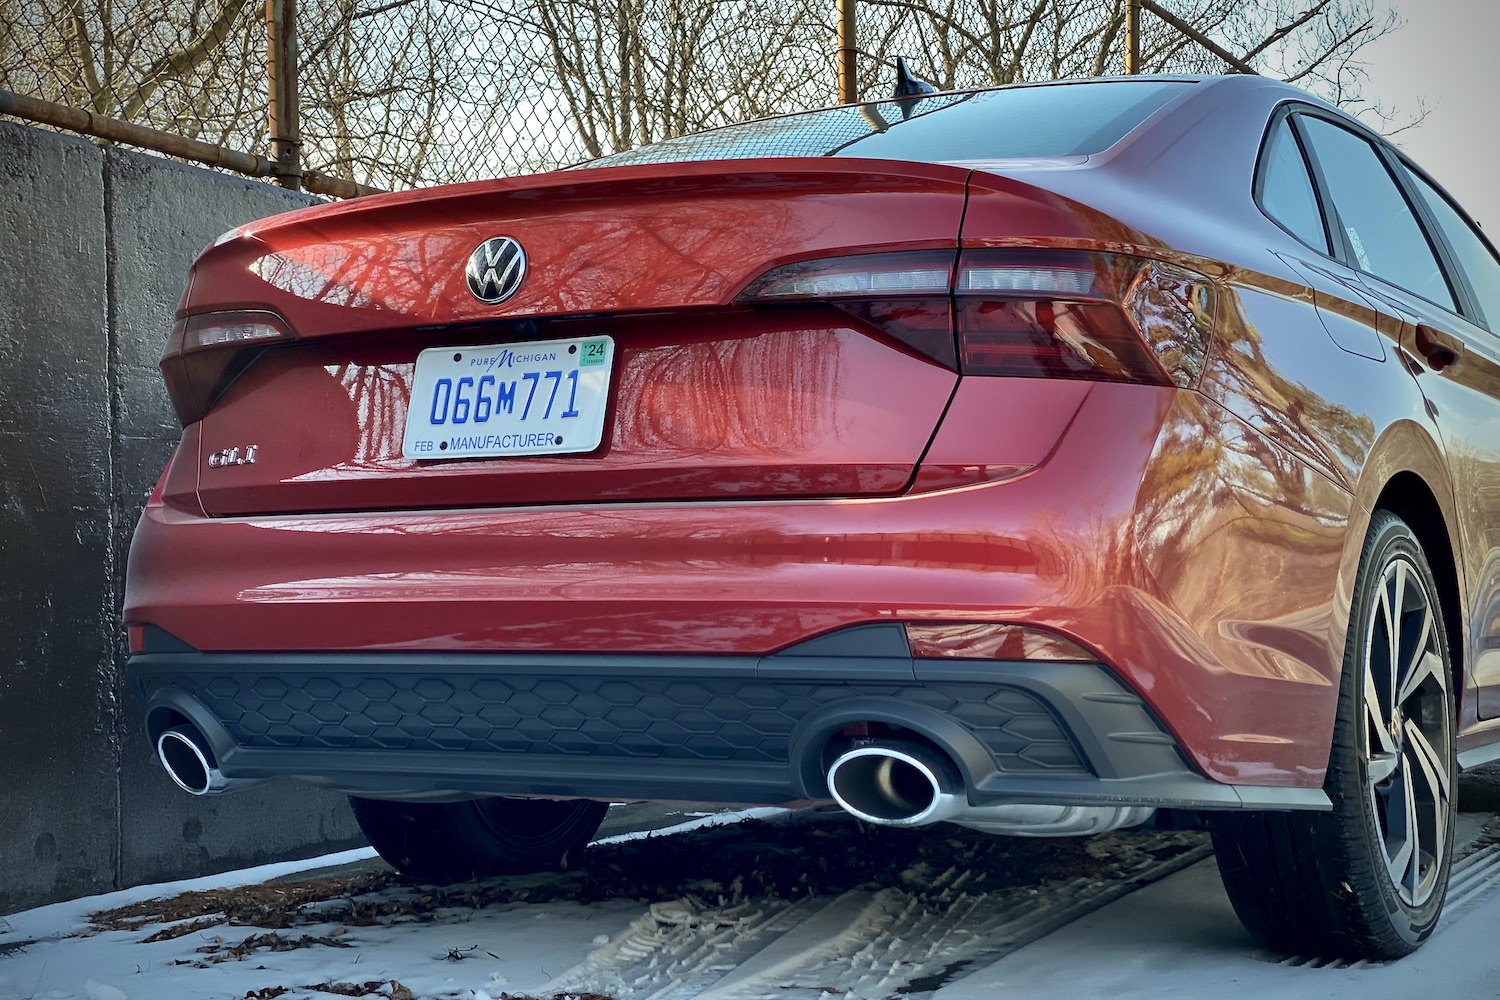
(453, 841)
(1367, 880)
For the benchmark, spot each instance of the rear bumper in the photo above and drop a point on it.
(687, 728)
(1204, 603)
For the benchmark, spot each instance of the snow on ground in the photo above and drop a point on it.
(699, 821)
(744, 906)
(736, 909)
(864, 944)
(472, 954)
(529, 944)
(1179, 938)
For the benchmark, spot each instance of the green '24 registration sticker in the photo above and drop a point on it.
(592, 353)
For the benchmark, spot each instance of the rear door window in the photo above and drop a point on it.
(1383, 234)
(1286, 191)
(1473, 253)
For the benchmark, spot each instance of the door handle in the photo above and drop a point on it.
(1441, 350)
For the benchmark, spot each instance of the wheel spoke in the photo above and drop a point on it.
(1424, 663)
(1413, 849)
(1398, 815)
(1407, 716)
(1438, 787)
(1382, 766)
(1383, 745)
(1434, 769)
(1394, 612)
(1383, 617)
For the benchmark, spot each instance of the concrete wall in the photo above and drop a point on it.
(94, 250)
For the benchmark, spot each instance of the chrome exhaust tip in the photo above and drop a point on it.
(901, 783)
(188, 761)
(896, 784)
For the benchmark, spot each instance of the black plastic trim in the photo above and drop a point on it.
(1283, 114)
(1385, 153)
(1130, 758)
(155, 639)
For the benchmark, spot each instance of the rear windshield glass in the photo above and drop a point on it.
(1013, 123)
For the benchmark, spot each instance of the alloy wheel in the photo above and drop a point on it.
(1407, 729)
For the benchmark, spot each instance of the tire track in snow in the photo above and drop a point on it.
(675, 950)
(866, 945)
(1473, 876)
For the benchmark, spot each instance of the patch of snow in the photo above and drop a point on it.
(705, 820)
(496, 945)
(64, 918)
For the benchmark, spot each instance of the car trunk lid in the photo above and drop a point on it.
(706, 398)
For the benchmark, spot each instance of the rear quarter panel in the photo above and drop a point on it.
(1253, 508)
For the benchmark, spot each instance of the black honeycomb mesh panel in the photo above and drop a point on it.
(729, 719)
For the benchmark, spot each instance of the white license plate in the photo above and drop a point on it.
(540, 398)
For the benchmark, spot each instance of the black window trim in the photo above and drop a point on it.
(1344, 251)
(1338, 237)
(1469, 304)
(1283, 113)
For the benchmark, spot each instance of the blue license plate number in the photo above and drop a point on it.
(539, 398)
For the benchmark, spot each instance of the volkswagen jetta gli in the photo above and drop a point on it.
(1037, 459)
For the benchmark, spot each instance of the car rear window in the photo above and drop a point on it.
(1036, 122)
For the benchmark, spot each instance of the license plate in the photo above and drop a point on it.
(540, 398)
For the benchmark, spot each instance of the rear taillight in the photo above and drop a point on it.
(207, 351)
(908, 294)
(1027, 313)
(1073, 314)
(866, 275)
(231, 328)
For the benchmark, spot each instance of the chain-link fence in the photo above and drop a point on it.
(399, 93)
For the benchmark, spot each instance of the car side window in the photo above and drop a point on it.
(1474, 255)
(1286, 191)
(1383, 233)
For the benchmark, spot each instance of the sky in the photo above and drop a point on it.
(1447, 56)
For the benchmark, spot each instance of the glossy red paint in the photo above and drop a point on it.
(1017, 429)
(1201, 540)
(1054, 548)
(616, 240)
(727, 404)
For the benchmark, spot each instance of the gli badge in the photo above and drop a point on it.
(233, 456)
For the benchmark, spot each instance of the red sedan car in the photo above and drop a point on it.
(1035, 459)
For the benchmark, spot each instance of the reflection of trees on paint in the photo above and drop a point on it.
(632, 246)
(1474, 463)
(1227, 555)
(768, 394)
(387, 272)
(1331, 436)
(379, 394)
(1239, 531)
(1174, 308)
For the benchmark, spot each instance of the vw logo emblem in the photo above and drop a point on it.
(496, 268)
